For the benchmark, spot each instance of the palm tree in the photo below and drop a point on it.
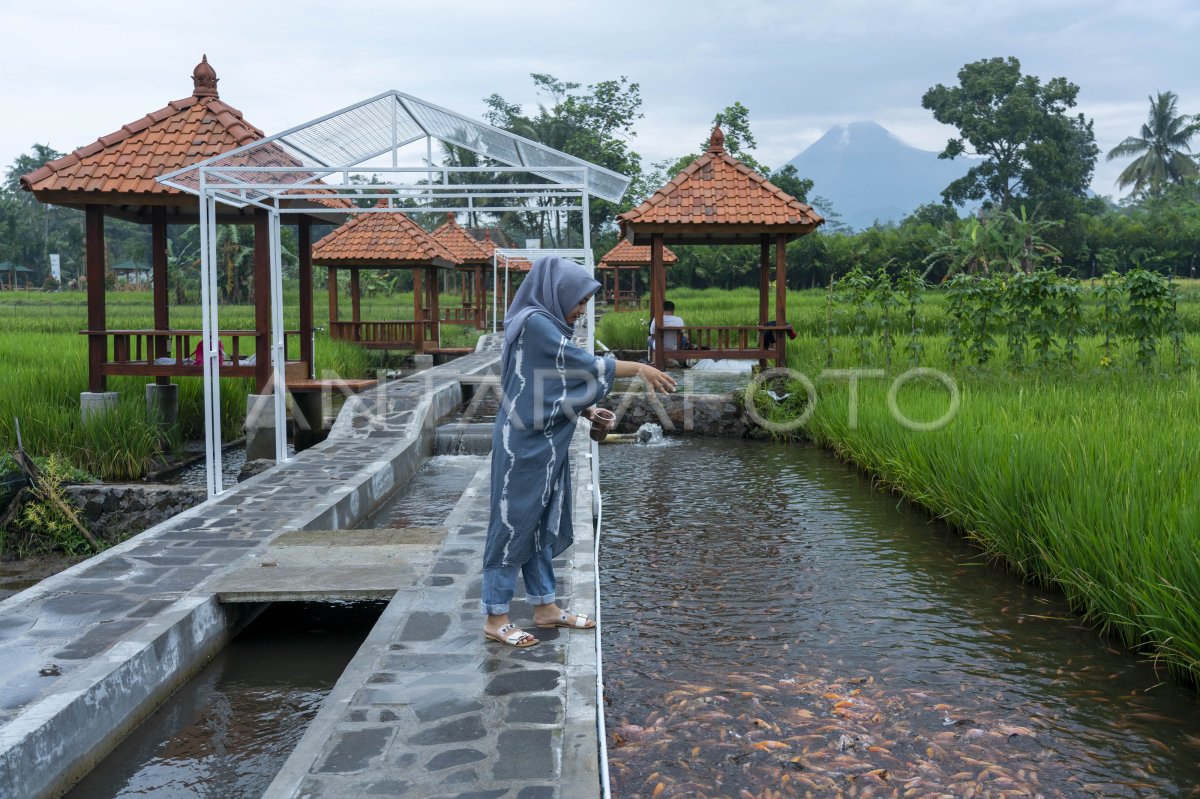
(1162, 149)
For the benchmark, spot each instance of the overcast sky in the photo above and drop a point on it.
(71, 72)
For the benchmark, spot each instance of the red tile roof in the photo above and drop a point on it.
(127, 161)
(461, 243)
(626, 253)
(382, 239)
(718, 196)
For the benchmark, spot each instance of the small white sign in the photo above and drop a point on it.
(533, 244)
(56, 267)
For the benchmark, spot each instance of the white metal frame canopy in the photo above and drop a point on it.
(312, 168)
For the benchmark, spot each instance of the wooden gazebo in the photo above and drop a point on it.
(115, 176)
(474, 255)
(719, 200)
(10, 274)
(626, 257)
(385, 239)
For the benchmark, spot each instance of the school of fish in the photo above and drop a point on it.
(759, 736)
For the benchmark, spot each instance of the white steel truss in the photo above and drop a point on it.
(320, 168)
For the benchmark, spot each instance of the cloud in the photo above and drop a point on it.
(798, 67)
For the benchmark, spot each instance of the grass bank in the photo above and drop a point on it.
(45, 370)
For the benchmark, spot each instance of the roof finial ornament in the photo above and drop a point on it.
(204, 79)
(716, 143)
(451, 217)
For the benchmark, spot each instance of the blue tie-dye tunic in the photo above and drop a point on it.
(546, 381)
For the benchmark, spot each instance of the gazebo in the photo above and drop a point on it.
(474, 255)
(627, 257)
(10, 273)
(717, 199)
(386, 238)
(115, 176)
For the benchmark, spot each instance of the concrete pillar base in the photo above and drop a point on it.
(96, 403)
(260, 427)
(162, 403)
(308, 410)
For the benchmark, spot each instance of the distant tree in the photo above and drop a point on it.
(1033, 152)
(594, 123)
(1161, 148)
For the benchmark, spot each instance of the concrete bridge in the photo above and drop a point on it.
(426, 707)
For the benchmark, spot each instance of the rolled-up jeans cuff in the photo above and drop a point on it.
(544, 599)
(494, 610)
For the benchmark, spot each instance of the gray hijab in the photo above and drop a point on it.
(552, 288)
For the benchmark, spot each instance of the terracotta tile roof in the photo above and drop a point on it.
(128, 160)
(490, 238)
(461, 243)
(626, 253)
(715, 192)
(382, 240)
(515, 264)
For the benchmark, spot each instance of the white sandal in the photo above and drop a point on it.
(580, 623)
(511, 635)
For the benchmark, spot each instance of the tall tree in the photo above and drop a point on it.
(1161, 149)
(594, 123)
(1033, 152)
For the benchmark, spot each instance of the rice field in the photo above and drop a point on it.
(1081, 478)
(45, 369)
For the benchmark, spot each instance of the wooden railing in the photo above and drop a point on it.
(726, 341)
(397, 334)
(159, 353)
(460, 316)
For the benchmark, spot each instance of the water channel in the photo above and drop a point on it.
(771, 622)
(227, 732)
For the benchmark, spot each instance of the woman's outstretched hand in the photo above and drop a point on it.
(656, 380)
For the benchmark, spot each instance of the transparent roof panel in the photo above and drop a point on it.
(366, 130)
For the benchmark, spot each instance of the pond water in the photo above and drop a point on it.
(227, 731)
(771, 622)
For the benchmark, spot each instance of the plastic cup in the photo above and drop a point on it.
(602, 420)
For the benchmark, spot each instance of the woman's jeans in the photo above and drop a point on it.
(499, 585)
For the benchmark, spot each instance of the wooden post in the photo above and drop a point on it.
(658, 292)
(304, 245)
(94, 253)
(418, 311)
(480, 297)
(780, 299)
(435, 314)
(262, 302)
(333, 296)
(355, 306)
(158, 263)
(764, 287)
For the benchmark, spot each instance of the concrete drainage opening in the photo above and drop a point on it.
(228, 730)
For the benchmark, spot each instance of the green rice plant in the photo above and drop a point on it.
(1037, 473)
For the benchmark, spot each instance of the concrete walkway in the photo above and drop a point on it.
(86, 654)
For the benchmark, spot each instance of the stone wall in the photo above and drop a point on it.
(686, 414)
(114, 512)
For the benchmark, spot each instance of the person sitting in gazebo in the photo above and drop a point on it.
(673, 336)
